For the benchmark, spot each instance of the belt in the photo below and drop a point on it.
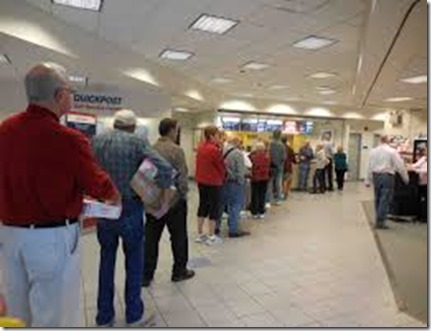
(55, 224)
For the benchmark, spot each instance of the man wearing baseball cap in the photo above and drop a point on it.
(120, 153)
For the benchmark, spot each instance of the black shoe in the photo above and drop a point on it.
(382, 227)
(217, 232)
(331, 189)
(146, 282)
(239, 234)
(186, 274)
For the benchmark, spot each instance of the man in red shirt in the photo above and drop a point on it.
(45, 168)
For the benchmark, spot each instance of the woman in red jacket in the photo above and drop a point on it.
(210, 174)
(259, 180)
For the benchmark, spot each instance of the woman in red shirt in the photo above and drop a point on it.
(259, 180)
(210, 174)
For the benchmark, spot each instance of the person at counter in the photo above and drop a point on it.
(319, 174)
(288, 166)
(306, 155)
(384, 163)
(259, 180)
(421, 167)
(328, 147)
(277, 155)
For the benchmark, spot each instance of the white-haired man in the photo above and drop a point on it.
(45, 168)
(121, 152)
(384, 163)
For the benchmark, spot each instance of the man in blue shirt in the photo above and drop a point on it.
(120, 153)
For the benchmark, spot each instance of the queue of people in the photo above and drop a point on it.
(47, 168)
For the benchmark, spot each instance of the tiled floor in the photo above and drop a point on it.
(313, 262)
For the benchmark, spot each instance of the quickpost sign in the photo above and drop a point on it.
(97, 101)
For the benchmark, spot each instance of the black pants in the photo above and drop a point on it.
(176, 221)
(319, 179)
(340, 178)
(422, 208)
(329, 174)
(258, 197)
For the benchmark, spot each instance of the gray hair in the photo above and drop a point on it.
(259, 146)
(43, 81)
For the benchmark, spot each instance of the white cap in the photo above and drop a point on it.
(125, 117)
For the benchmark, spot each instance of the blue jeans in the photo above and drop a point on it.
(274, 185)
(383, 193)
(130, 228)
(234, 200)
(304, 171)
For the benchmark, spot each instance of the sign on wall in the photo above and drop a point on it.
(97, 101)
(85, 123)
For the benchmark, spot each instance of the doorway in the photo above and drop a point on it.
(354, 155)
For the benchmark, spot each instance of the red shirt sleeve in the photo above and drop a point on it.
(91, 178)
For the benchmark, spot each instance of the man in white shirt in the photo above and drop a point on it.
(384, 163)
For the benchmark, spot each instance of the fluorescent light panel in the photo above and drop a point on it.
(94, 5)
(398, 99)
(322, 75)
(213, 24)
(278, 87)
(255, 66)
(4, 59)
(314, 42)
(175, 55)
(221, 80)
(326, 92)
(181, 110)
(415, 80)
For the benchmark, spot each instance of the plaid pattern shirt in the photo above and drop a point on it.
(121, 153)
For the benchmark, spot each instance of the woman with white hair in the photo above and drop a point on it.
(259, 179)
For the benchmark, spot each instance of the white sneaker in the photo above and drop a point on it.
(211, 240)
(267, 205)
(200, 239)
(255, 217)
(148, 321)
(261, 216)
(243, 214)
(278, 203)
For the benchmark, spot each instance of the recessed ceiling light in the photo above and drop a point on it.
(213, 24)
(94, 5)
(398, 99)
(415, 80)
(329, 102)
(314, 42)
(278, 87)
(181, 110)
(255, 66)
(4, 59)
(221, 80)
(78, 79)
(326, 92)
(322, 75)
(175, 55)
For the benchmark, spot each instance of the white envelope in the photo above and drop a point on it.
(98, 209)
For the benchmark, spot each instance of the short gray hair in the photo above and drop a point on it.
(43, 81)
(259, 146)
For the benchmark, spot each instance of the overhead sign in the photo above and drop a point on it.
(97, 101)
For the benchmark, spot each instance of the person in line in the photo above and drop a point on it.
(277, 153)
(259, 180)
(328, 147)
(384, 162)
(120, 152)
(340, 161)
(305, 157)
(233, 189)
(288, 166)
(319, 174)
(247, 185)
(45, 169)
(421, 167)
(210, 175)
(176, 218)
